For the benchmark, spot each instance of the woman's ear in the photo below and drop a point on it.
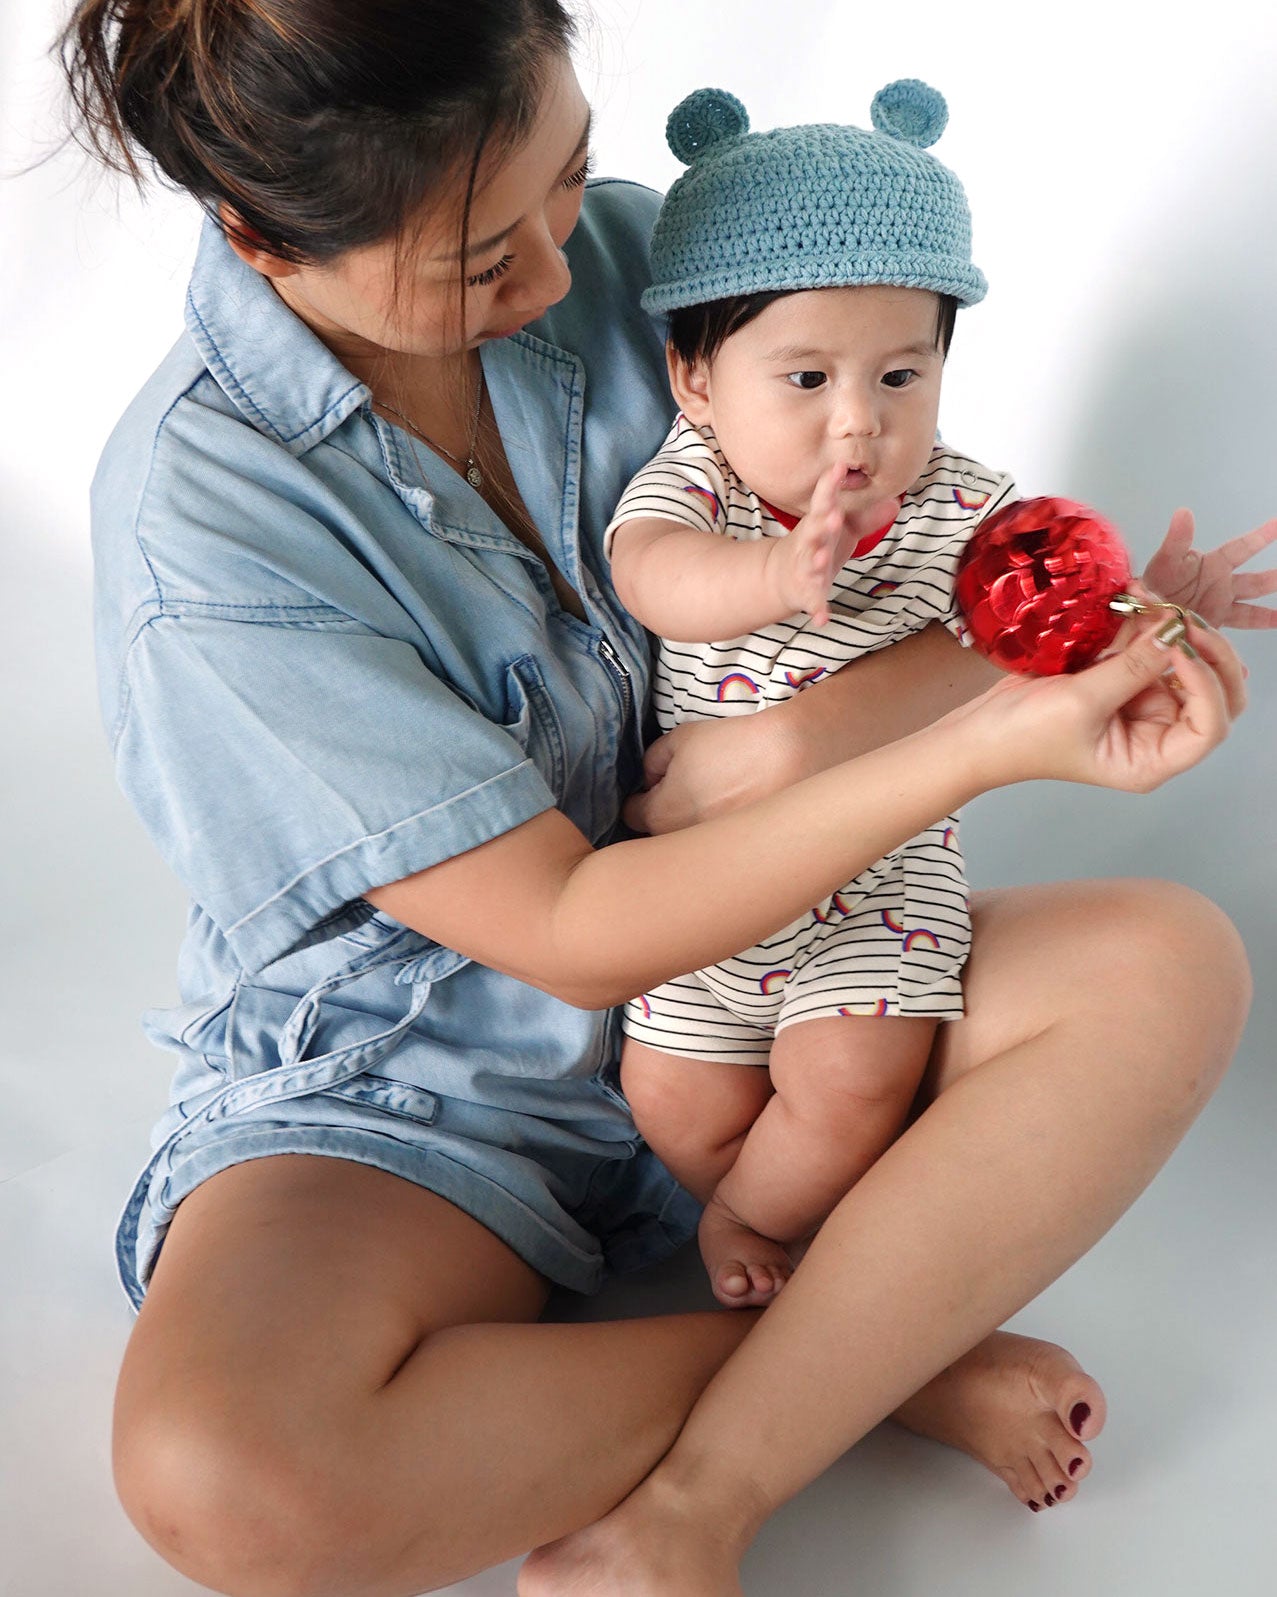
(689, 384)
(251, 247)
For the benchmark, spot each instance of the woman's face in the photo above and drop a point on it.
(401, 295)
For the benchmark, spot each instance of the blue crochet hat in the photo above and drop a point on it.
(810, 207)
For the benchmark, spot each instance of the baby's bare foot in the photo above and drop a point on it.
(1021, 1408)
(746, 1270)
(635, 1551)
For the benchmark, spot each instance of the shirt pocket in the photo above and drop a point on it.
(533, 722)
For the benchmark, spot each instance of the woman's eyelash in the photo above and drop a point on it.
(490, 275)
(582, 172)
(501, 267)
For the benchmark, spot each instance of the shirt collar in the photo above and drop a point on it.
(274, 370)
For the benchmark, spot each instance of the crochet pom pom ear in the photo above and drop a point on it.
(911, 110)
(702, 120)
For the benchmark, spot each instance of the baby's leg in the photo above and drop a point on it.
(693, 1112)
(696, 1114)
(843, 1089)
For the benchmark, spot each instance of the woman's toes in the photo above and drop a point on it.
(1017, 1405)
(1032, 1487)
(1069, 1464)
(1083, 1409)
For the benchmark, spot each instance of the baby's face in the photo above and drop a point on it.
(829, 376)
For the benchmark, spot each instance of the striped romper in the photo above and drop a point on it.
(894, 941)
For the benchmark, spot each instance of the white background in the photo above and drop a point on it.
(1121, 162)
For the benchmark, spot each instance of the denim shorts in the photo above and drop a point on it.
(553, 1166)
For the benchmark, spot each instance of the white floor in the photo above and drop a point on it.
(1175, 1311)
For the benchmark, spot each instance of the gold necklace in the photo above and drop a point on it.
(467, 467)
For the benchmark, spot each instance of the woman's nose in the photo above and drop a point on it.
(547, 277)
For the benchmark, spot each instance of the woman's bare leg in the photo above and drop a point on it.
(1101, 1017)
(307, 1406)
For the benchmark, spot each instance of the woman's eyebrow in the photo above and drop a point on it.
(485, 244)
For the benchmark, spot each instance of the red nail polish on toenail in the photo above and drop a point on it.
(1059, 1492)
(1036, 1507)
(1079, 1416)
(1049, 1500)
(1075, 1466)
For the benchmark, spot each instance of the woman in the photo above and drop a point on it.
(370, 690)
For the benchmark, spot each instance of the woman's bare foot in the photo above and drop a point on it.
(746, 1270)
(1019, 1407)
(648, 1546)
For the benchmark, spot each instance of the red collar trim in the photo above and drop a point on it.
(862, 548)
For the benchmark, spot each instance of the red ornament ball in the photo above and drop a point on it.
(1034, 585)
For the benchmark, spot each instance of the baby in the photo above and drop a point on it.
(800, 514)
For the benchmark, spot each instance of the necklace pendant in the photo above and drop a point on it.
(474, 476)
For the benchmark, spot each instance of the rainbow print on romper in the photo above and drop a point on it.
(647, 1008)
(950, 837)
(879, 588)
(891, 925)
(837, 905)
(971, 498)
(731, 680)
(773, 979)
(800, 679)
(716, 504)
(872, 1011)
(916, 936)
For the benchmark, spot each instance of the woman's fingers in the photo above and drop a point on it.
(1226, 663)
(1144, 729)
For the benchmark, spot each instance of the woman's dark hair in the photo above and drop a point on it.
(697, 332)
(322, 124)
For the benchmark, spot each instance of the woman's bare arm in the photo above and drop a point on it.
(707, 768)
(595, 927)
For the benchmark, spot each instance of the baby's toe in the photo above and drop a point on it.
(732, 1283)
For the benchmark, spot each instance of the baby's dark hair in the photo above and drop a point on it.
(696, 333)
(322, 125)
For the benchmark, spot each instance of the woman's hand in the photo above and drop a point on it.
(703, 769)
(1139, 716)
(1207, 583)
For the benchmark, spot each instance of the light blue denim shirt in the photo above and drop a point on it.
(324, 665)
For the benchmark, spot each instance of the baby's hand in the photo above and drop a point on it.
(1207, 583)
(805, 560)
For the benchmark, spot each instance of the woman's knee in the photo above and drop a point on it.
(1145, 972)
(240, 1512)
(1176, 942)
(1171, 959)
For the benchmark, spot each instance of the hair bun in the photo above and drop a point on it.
(911, 110)
(705, 118)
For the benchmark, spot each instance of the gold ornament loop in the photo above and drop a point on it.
(1173, 631)
(1127, 604)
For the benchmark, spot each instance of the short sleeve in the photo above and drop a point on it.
(284, 769)
(681, 483)
(992, 492)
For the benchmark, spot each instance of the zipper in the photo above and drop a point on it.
(608, 653)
